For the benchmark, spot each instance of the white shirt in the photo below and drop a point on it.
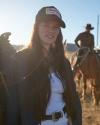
(56, 102)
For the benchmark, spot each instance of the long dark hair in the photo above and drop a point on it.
(58, 56)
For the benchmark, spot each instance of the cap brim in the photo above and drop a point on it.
(53, 17)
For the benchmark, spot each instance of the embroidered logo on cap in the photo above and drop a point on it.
(53, 11)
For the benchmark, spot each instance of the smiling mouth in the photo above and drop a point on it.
(50, 36)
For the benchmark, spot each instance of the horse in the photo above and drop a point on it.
(87, 64)
(6, 56)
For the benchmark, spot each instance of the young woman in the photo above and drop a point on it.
(45, 93)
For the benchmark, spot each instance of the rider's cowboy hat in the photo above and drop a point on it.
(88, 26)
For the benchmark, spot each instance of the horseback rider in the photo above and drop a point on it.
(85, 40)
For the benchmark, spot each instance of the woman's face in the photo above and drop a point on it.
(48, 32)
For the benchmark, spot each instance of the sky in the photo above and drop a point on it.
(18, 17)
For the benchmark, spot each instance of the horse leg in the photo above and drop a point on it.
(78, 79)
(78, 86)
(95, 95)
(84, 87)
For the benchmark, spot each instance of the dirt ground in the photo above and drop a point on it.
(91, 114)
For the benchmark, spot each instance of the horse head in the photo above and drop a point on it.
(5, 36)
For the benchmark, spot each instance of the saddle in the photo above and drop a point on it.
(78, 55)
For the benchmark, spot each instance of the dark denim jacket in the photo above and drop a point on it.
(28, 98)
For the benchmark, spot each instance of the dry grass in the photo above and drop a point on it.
(91, 114)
